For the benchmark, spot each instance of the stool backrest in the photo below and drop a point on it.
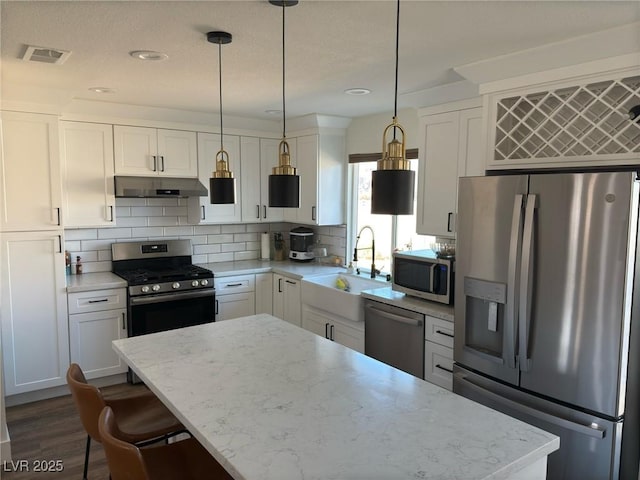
(88, 400)
(124, 459)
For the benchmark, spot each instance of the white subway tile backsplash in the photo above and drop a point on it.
(147, 232)
(200, 249)
(247, 255)
(104, 255)
(232, 247)
(196, 239)
(163, 221)
(178, 231)
(228, 238)
(72, 245)
(206, 229)
(233, 228)
(122, 212)
(114, 233)
(92, 267)
(147, 211)
(130, 202)
(257, 228)
(220, 257)
(131, 221)
(81, 234)
(162, 202)
(199, 258)
(177, 211)
(245, 237)
(88, 245)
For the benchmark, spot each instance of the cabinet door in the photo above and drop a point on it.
(264, 293)
(33, 311)
(315, 322)
(438, 175)
(87, 165)
(250, 181)
(135, 150)
(268, 160)
(177, 153)
(438, 365)
(292, 311)
(278, 296)
(235, 305)
(90, 337)
(31, 196)
(347, 336)
(470, 149)
(200, 209)
(307, 164)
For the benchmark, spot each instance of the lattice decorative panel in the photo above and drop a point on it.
(568, 122)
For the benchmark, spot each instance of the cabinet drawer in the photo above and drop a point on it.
(438, 365)
(97, 300)
(438, 331)
(236, 284)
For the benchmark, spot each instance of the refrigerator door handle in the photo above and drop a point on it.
(511, 313)
(526, 282)
(592, 430)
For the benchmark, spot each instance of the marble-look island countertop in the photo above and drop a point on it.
(272, 401)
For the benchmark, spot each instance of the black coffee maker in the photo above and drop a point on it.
(301, 244)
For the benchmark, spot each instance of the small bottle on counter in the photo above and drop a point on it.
(67, 262)
(78, 266)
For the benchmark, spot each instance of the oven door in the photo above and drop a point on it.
(157, 313)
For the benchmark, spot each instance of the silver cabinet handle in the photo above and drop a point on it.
(526, 281)
(511, 314)
(396, 318)
(155, 163)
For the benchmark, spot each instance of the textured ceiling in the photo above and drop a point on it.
(331, 46)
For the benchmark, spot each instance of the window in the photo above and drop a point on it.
(391, 231)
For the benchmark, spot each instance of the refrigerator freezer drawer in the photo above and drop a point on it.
(589, 445)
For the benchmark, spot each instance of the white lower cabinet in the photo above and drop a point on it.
(264, 293)
(33, 311)
(287, 299)
(438, 352)
(96, 318)
(235, 297)
(344, 332)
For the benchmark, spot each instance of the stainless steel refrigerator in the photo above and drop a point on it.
(547, 311)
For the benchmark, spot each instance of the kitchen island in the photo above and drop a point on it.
(272, 401)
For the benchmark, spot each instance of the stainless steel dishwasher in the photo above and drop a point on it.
(394, 336)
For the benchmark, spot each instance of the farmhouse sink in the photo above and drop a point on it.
(321, 292)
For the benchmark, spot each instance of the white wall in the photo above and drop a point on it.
(364, 134)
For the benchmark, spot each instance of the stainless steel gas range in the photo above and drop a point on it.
(165, 290)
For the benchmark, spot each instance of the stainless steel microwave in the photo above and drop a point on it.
(420, 273)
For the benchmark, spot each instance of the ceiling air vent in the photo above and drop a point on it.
(45, 55)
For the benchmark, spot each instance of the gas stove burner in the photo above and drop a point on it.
(141, 276)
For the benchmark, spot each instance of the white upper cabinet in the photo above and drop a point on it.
(151, 151)
(257, 157)
(87, 169)
(200, 209)
(30, 181)
(321, 165)
(451, 148)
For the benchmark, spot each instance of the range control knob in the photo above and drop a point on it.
(175, 285)
(145, 289)
(204, 282)
(195, 283)
(155, 288)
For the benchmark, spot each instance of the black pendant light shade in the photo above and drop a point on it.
(222, 185)
(284, 191)
(222, 190)
(392, 184)
(284, 182)
(392, 192)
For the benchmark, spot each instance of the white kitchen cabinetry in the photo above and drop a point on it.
(31, 196)
(576, 122)
(451, 148)
(344, 332)
(33, 311)
(152, 151)
(264, 293)
(235, 297)
(200, 209)
(287, 299)
(438, 352)
(320, 160)
(87, 171)
(96, 318)
(257, 158)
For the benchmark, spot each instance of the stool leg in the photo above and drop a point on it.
(86, 458)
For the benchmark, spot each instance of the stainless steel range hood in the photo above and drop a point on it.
(127, 186)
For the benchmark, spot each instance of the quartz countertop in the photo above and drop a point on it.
(296, 270)
(398, 299)
(94, 281)
(289, 404)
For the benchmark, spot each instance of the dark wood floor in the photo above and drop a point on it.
(51, 430)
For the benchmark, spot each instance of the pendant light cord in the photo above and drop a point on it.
(220, 80)
(284, 116)
(395, 103)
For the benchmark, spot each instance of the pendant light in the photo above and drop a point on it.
(393, 183)
(284, 183)
(222, 185)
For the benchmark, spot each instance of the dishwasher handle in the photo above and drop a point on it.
(396, 318)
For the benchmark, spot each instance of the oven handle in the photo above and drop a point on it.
(171, 296)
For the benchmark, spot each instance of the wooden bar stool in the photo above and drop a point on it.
(143, 418)
(182, 460)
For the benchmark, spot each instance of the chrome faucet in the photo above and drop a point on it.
(372, 248)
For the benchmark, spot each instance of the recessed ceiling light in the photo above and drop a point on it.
(102, 90)
(273, 112)
(357, 91)
(148, 55)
